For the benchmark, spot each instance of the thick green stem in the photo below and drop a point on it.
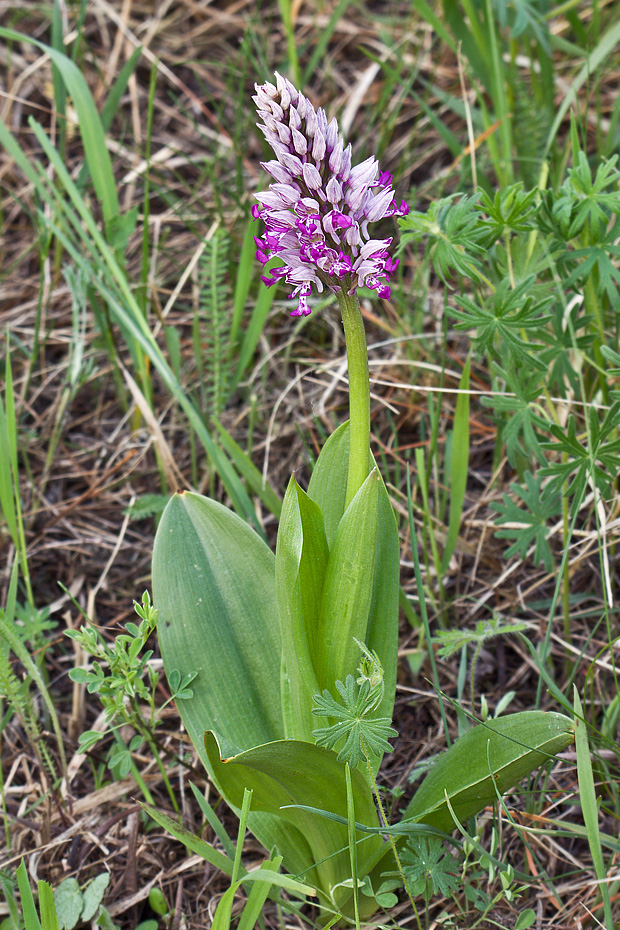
(359, 393)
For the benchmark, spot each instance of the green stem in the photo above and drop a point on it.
(359, 393)
(385, 823)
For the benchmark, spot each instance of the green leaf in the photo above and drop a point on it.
(348, 588)
(365, 737)
(526, 918)
(257, 897)
(328, 483)
(529, 523)
(589, 804)
(290, 772)
(519, 743)
(451, 641)
(459, 465)
(453, 232)
(382, 628)
(93, 895)
(327, 487)
(190, 840)
(503, 320)
(69, 903)
(214, 586)
(221, 921)
(91, 130)
(428, 868)
(248, 470)
(301, 562)
(47, 907)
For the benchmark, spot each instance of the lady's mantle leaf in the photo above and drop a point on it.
(364, 737)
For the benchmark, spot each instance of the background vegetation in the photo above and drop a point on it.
(142, 354)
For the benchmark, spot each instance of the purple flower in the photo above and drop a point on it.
(318, 207)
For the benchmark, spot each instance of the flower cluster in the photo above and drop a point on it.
(318, 207)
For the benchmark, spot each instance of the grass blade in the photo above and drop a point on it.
(589, 805)
(91, 130)
(458, 465)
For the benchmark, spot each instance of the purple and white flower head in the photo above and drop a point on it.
(318, 207)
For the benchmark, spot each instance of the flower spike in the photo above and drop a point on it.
(318, 207)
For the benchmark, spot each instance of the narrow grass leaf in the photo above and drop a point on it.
(47, 907)
(599, 55)
(458, 465)
(427, 13)
(20, 650)
(214, 821)
(222, 918)
(589, 806)
(111, 105)
(122, 303)
(352, 837)
(31, 918)
(259, 893)
(91, 130)
(248, 470)
(189, 840)
(253, 330)
(324, 38)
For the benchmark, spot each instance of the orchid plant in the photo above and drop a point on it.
(274, 639)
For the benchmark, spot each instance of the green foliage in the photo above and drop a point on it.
(451, 641)
(124, 681)
(598, 459)
(530, 520)
(484, 762)
(504, 319)
(520, 413)
(75, 904)
(542, 312)
(429, 869)
(62, 909)
(211, 328)
(455, 239)
(365, 737)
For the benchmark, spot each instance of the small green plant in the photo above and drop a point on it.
(124, 681)
(67, 907)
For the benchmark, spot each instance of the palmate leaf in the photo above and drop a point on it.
(454, 235)
(599, 458)
(585, 199)
(365, 737)
(532, 520)
(503, 317)
(520, 413)
(512, 209)
(428, 868)
(597, 257)
(561, 343)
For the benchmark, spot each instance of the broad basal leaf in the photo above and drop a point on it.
(515, 745)
(291, 772)
(214, 587)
